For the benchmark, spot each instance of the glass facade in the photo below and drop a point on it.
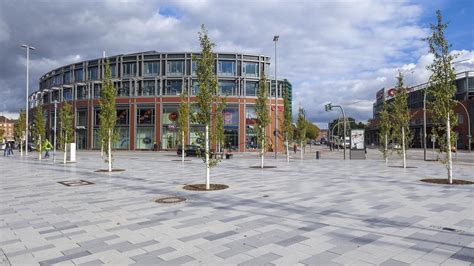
(251, 88)
(151, 68)
(124, 90)
(81, 129)
(67, 94)
(173, 87)
(97, 90)
(145, 136)
(93, 73)
(81, 92)
(79, 75)
(175, 68)
(67, 77)
(226, 68)
(231, 127)
(250, 128)
(169, 127)
(250, 69)
(148, 88)
(129, 69)
(227, 87)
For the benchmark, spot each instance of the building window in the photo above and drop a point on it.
(175, 68)
(124, 90)
(67, 94)
(148, 88)
(170, 129)
(145, 128)
(250, 69)
(251, 88)
(227, 87)
(57, 80)
(173, 87)
(122, 117)
(231, 127)
(81, 129)
(97, 90)
(145, 116)
(152, 68)
(79, 74)
(67, 78)
(129, 69)
(113, 71)
(251, 128)
(226, 68)
(93, 73)
(193, 68)
(195, 88)
(55, 96)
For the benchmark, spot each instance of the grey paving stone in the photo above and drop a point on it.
(324, 258)
(264, 259)
(220, 235)
(465, 254)
(292, 240)
(392, 262)
(65, 258)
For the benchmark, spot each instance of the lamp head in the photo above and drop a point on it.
(275, 38)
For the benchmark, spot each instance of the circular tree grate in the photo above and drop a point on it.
(202, 187)
(107, 171)
(444, 181)
(169, 200)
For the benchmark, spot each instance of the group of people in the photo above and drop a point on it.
(8, 148)
(10, 145)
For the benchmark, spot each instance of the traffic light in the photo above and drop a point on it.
(328, 107)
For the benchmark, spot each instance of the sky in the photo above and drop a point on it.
(331, 51)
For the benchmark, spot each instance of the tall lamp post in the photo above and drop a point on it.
(275, 40)
(28, 48)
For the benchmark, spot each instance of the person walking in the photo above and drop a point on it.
(47, 148)
(10, 151)
(295, 147)
(6, 150)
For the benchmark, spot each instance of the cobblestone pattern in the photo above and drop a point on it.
(314, 212)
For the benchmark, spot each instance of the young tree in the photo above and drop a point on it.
(38, 130)
(218, 135)
(385, 126)
(183, 120)
(287, 127)
(206, 96)
(401, 118)
(67, 129)
(20, 129)
(263, 116)
(108, 115)
(301, 125)
(442, 89)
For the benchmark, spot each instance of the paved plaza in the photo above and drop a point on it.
(311, 212)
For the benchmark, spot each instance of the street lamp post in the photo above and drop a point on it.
(468, 126)
(28, 48)
(329, 107)
(275, 40)
(55, 129)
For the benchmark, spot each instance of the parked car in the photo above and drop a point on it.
(191, 150)
(394, 146)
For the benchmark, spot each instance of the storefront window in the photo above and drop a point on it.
(170, 129)
(250, 128)
(145, 128)
(231, 128)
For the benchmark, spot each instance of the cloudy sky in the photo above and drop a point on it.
(332, 51)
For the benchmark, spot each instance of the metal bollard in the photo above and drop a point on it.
(317, 155)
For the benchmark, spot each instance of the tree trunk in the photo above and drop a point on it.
(21, 147)
(109, 148)
(65, 153)
(403, 148)
(287, 151)
(450, 159)
(386, 149)
(263, 148)
(208, 170)
(39, 150)
(182, 146)
(301, 150)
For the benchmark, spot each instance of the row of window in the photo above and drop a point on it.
(152, 68)
(150, 88)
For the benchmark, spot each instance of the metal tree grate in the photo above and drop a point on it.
(75, 183)
(169, 200)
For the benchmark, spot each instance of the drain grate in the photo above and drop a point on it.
(169, 200)
(75, 183)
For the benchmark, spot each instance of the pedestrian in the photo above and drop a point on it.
(47, 148)
(10, 151)
(295, 147)
(5, 151)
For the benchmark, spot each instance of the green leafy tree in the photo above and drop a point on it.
(38, 130)
(218, 136)
(263, 116)
(66, 132)
(287, 127)
(442, 89)
(20, 128)
(301, 125)
(207, 95)
(183, 120)
(107, 115)
(385, 126)
(2, 131)
(312, 131)
(401, 118)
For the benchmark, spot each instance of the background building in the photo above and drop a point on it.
(148, 86)
(8, 125)
(464, 94)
